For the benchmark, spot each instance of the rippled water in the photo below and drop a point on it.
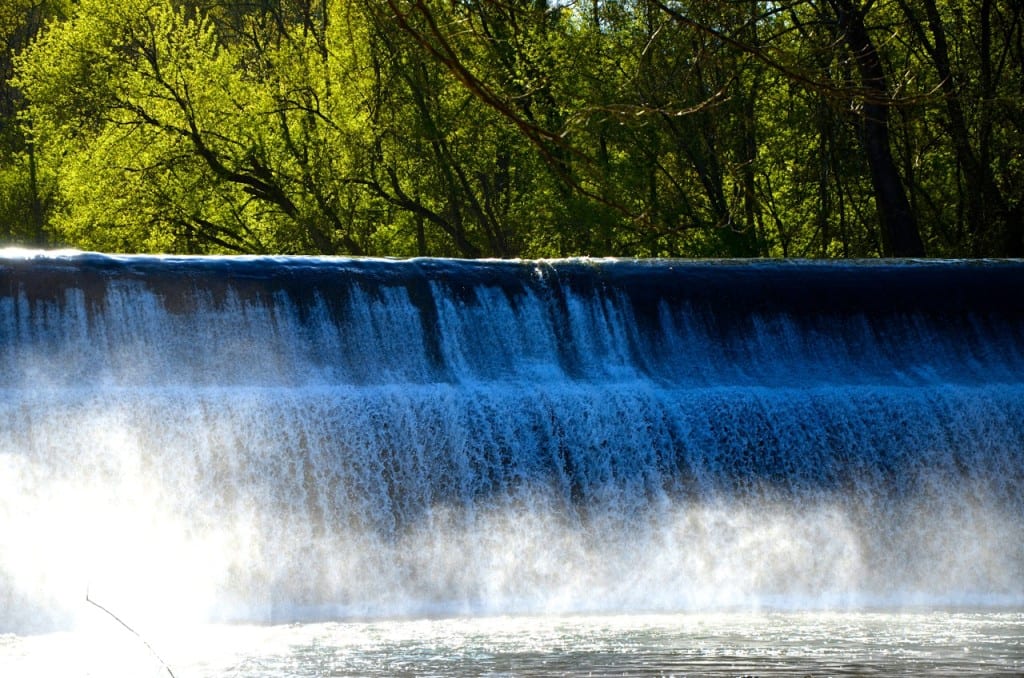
(934, 643)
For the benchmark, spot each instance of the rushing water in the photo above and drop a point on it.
(512, 448)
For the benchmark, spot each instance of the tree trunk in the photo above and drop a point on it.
(38, 210)
(899, 225)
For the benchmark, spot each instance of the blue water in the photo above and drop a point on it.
(293, 439)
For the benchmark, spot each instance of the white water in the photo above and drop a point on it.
(279, 504)
(269, 441)
(910, 643)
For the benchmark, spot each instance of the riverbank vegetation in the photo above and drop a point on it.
(831, 128)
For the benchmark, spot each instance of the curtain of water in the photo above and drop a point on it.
(278, 439)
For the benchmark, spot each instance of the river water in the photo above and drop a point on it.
(904, 643)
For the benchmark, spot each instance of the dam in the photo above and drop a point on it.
(275, 440)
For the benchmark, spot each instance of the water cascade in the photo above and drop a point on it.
(280, 439)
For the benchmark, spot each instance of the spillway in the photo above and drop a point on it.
(279, 439)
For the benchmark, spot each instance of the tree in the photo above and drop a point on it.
(23, 199)
(523, 127)
(899, 223)
(872, 91)
(973, 92)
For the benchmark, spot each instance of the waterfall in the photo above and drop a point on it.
(278, 439)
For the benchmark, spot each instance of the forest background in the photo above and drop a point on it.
(533, 128)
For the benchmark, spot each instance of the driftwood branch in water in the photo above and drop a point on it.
(133, 631)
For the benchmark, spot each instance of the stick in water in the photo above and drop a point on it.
(136, 633)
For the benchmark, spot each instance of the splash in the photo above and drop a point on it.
(281, 439)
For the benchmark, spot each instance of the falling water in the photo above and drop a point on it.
(280, 439)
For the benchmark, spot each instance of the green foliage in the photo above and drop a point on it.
(23, 192)
(515, 128)
(16, 218)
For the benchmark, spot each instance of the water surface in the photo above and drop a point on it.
(906, 643)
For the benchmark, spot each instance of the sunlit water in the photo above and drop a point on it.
(514, 459)
(909, 643)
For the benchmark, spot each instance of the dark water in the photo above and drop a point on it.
(276, 440)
